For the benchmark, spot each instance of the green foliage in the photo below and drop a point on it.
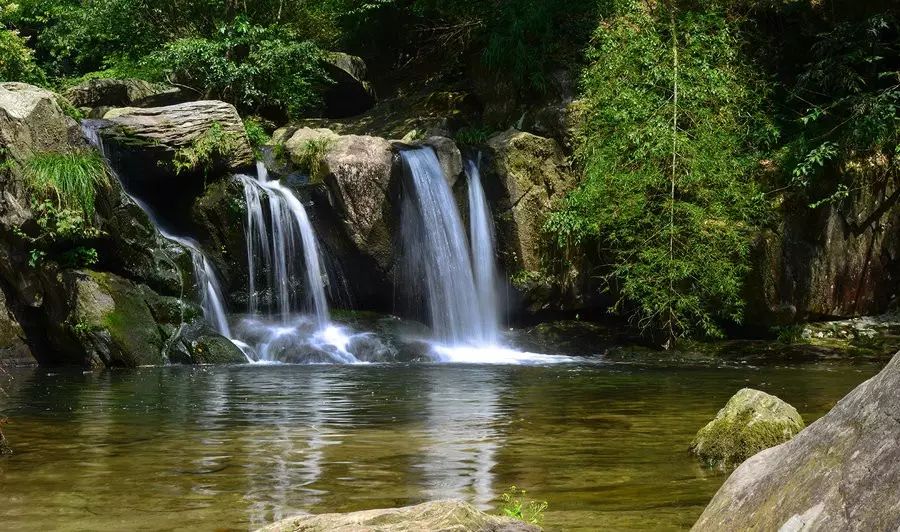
(17, 60)
(70, 110)
(515, 504)
(473, 136)
(68, 181)
(212, 146)
(256, 68)
(676, 260)
(256, 133)
(64, 189)
(849, 102)
(529, 38)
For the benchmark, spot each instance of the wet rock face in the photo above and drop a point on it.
(14, 350)
(841, 473)
(750, 422)
(116, 314)
(108, 93)
(104, 320)
(836, 261)
(438, 516)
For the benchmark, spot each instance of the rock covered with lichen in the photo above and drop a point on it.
(750, 422)
(436, 516)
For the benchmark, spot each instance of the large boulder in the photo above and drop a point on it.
(438, 516)
(841, 473)
(750, 422)
(160, 132)
(358, 172)
(108, 318)
(531, 173)
(144, 146)
(108, 93)
(349, 92)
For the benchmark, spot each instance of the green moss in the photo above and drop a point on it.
(131, 326)
(751, 422)
(70, 110)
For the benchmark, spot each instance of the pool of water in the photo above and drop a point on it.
(233, 448)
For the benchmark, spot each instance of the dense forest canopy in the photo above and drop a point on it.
(699, 120)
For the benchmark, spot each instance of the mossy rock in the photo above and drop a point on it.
(751, 422)
(200, 344)
(215, 349)
(112, 321)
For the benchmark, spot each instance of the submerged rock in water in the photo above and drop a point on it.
(4, 445)
(751, 422)
(841, 473)
(438, 516)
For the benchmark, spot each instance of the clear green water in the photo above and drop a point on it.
(237, 447)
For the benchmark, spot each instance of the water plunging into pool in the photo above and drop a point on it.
(438, 254)
(458, 277)
(273, 257)
(288, 318)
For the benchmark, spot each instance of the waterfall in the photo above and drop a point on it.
(438, 254)
(212, 303)
(274, 253)
(481, 236)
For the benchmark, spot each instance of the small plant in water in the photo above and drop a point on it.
(515, 504)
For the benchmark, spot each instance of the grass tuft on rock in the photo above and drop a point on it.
(312, 156)
(70, 180)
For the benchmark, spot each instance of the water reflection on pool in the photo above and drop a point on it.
(238, 447)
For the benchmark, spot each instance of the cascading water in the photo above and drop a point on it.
(211, 299)
(438, 253)
(481, 235)
(282, 248)
(461, 287)
(460, 283)
(275, 256)
(459, 297)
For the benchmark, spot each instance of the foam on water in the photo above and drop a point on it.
(494, 355)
